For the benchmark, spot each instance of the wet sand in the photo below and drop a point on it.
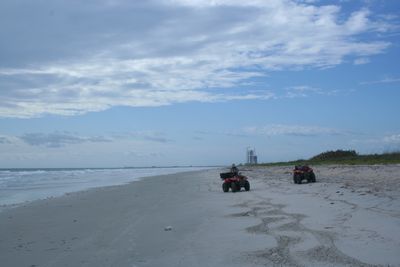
(186, 220)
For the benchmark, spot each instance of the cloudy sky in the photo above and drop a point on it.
(106, 83)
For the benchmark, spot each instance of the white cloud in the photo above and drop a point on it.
(188, 49)
(64, 138)
(306, 91)
(59, 139)
(379, 144)
(361, 61)
(153, 136)
(146, 155)
(5, 140)
(382, 81)
(297, 130)
(392, 139)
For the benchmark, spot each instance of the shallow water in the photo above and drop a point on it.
(21, 185)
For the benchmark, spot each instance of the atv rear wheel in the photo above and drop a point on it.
(247, 186)
(312, 177)
(234, 187)
(225, 187)
(297, 179)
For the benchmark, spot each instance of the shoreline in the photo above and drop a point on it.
(23, 186)
(101, 168)
(185, 219)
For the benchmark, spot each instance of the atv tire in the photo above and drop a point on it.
(297, 179)
(312, 177)
(247, 186)
(225, 187)
(234, 187)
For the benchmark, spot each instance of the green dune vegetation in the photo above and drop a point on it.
(346, 157)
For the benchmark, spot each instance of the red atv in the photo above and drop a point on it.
(301, 173)
(234, 181)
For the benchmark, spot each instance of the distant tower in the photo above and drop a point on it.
(251, 156)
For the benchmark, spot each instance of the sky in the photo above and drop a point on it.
(116, 83)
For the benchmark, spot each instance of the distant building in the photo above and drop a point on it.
(251, 156)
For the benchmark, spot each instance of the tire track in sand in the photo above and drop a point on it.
(297, 245)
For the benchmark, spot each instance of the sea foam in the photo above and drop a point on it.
(22, 185)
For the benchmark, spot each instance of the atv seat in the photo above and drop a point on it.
(226, 175)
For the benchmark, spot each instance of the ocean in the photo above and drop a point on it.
(22, 185)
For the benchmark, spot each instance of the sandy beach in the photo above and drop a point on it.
(350, 217)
